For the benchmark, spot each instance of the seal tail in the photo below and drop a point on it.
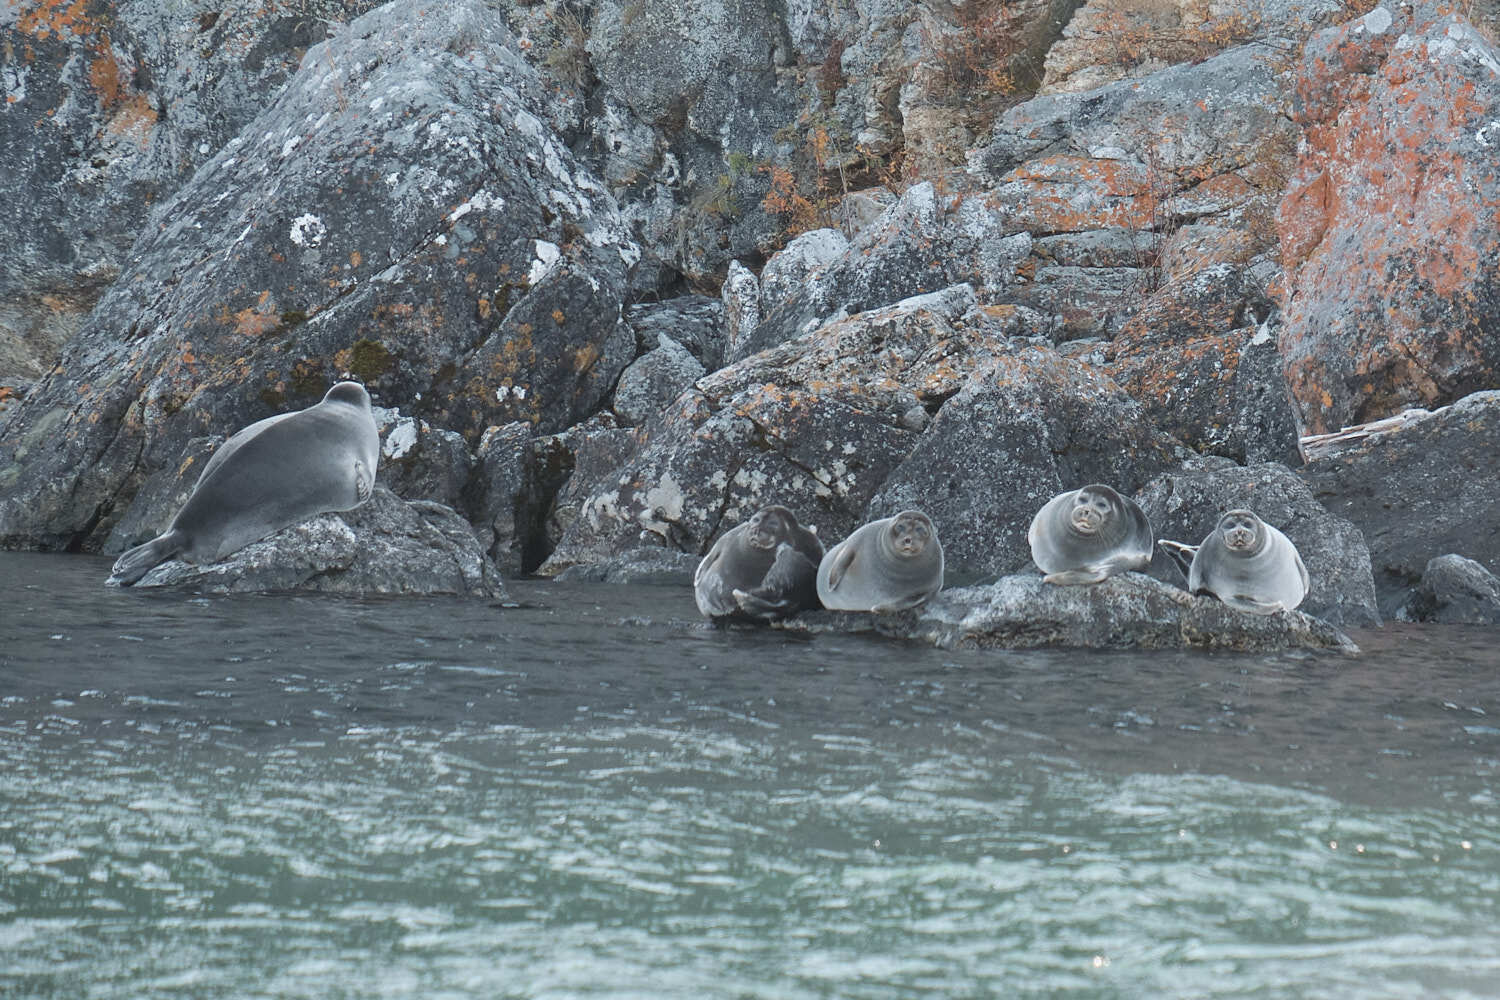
(1180, 554)
(137, 562)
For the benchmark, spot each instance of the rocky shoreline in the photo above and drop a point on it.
(619, 274)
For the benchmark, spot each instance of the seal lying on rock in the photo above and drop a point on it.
(1088, 535)
(273, 473)
(1244, 562)
(886, 565)
(763, 569)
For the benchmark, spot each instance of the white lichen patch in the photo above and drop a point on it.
(662, 505)
(1377, 22)
(401, 440)
(308, 231)
(507, 392)
(547, 256)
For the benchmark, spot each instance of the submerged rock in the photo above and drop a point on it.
(387, 546)
(1129, 611)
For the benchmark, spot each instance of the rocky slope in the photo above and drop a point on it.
(1146, 242)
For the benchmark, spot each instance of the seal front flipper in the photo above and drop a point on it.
(364, 481)
(840, 566)
(1180, 553)
(902, 603)
(137, 562)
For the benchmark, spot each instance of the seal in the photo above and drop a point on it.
(1088, 535)
(271, 474)
(886, 565)
(1244, 562)
(760, 570)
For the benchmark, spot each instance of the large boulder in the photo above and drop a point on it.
(105, 109)
(1388, 227)
(454, 256)
(1130, 611)
(1426, 486)
(1184, 505)
(921, 244)
(386, 546)
(1455, 591)
(1201, 358)
(1025, 427)
(816, 424)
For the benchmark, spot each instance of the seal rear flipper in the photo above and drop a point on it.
(758, 604)
(1246, 603)
(1180, 553)
(1076, 577)
(137, 562)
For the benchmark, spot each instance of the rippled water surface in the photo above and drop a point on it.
(594, 795)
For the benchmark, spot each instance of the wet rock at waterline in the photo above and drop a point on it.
(1455, 591)
(642, 566)
(1130, 611)
(386, 546)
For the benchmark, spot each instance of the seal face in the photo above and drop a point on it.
(760, 570)
(1088, 535)
(271, 474)
(1249, 565)
(885, 565)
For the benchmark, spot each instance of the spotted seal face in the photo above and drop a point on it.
(1092, 509)
(1243, 532)
(909, 534)
(768, 528)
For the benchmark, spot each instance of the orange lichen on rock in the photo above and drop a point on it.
(55, 18)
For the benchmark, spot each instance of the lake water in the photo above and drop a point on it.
(596, 795)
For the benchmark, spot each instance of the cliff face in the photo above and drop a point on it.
(1047, 243)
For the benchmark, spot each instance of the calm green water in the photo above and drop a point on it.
(594, 795)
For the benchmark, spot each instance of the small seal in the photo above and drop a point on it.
(1088, 535)
(1244, 562)
(271, 474)
(886, 565)
(761, 570)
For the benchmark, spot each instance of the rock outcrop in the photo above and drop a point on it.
(386, 546)
(1130, 611)
(454, 256)
(1392, 219)
(1427, 486)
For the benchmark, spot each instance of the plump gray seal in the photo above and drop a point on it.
(886, 565)
(762, 570)
(271, 474)
(1246, 563)
(1088, 535)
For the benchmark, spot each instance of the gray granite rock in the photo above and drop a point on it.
(1130, 611)
(1025, 427)
(503, 501)
(419, 461)
(652, 381)
(741, 296)
(1185, 504)
(1429, 485)
(437, 247)
(694, 321)
(1455, 591)
(797, 263)
(646, 565)
(387, 546)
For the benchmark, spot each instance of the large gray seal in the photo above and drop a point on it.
(1088, 535)
(273, 473)
(760, 570)
(886, 565)
(1246, 563)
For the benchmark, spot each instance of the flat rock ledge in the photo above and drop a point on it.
(645, 566)
(387, 546)
(1125, 612)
